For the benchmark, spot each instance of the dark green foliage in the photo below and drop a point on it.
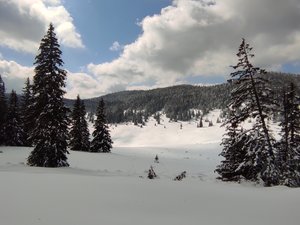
(175, 101)
(156, 159)
(151, 173)
(26, 115)
(288, 146)
(251, 98)
(3, 111)
(79, 134)
(157, 117)
(101, 137)
(91, 117)
(13, 129)
(180, 176)
(201, 122)
(50, 134)
(234, 151)
(138, 118)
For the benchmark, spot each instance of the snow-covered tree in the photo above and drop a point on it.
(288, 146)
(50, 133)
(101, 137)
(252, 98)
(13, 129)
(79, 134)
(3, 111)
(234, 151)
(157, 117)
(25, 112)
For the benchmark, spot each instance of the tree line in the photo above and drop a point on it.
(42, 120)
(178, 103)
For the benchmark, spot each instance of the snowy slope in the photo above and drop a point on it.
(168, 133)
(113, 188)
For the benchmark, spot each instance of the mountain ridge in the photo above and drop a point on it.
(177, 101)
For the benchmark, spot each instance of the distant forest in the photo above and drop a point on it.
(181, 102)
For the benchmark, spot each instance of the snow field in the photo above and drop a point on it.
(113, 188)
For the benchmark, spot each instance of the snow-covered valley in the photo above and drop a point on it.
(114, 189)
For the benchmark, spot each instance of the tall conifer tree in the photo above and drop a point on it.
(79, 134)
(26, 114)
(234, 150)
(51, 125)
(101, 137)
(251, 98)
(3, 111)
(13, 129)
(288, 146)
(84, 128)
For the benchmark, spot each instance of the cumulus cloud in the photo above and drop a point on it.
(88, 86)
(82, 84)
(200, 38)
(190, 38)
(14, 74)
(23, 24)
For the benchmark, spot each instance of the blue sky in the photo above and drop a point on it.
(113, 20)
(100, 23)
(114, 45)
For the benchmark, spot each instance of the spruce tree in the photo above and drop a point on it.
(84, 127)
(26, 114)
(288, 146)
(79, 134)
(3, 111)
(201, 122)
(234, 151)
(101, 137)
(51, 125)
(252, 98)
(13, 129)
(75, 133)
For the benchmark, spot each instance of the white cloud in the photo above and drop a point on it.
(200, 38)
(82, 84)
(23, 24)
(14, 74)
(52, 2)
(116, 46)
(189, 38)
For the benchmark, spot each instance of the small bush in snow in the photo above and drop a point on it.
(151, 173)
(156, 159)
(180, 176)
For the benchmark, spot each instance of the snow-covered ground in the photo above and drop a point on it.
(113, 188)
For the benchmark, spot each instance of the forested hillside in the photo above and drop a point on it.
(176, 101)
